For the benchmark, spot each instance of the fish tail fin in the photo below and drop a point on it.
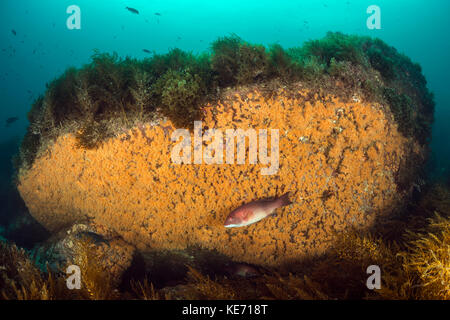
(284, 200)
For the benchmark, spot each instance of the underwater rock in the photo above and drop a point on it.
(64, 248)
(340, 161)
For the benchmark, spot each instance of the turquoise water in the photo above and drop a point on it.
(43, 47)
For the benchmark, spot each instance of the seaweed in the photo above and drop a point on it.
(225, 59)
(424, 265)
(21, 280)
(176, 59)
(141, 92)
(416, 266)
(95, 280)
(92, 134)
(237, 62)
(253, 63)
(58, 100)
(110, 89)
(145, 290)
(281, 63)
(109, 80)
(381, 62)
(312, 69)
(339, 46)
(401, 107)
(178, 92)
(205, 288)
(293, 287)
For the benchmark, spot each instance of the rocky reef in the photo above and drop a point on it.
(339, 161)
(415, 266)
(353, 117)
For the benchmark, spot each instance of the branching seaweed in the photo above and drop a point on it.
(178, 83)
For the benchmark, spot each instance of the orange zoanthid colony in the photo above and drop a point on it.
(338, 160)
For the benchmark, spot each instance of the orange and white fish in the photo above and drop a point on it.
(254, 211)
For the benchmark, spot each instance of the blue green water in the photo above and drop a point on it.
(43, 47)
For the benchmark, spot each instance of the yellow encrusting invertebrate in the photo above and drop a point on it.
(337, 159)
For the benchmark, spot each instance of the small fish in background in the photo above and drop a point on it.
(11, 120)
(242, 270)
(146, 51)
(13, 32)
(132, 10)
(306, 25)
(254, 211)
(157, 14)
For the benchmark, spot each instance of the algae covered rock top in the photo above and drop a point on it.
(109, 94)
(353, 117)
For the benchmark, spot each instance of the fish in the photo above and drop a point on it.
(11, 120)
(146, 51)
(255, 211)
(157, 14)
(242, 270)
(132, 10)
(13, 32)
